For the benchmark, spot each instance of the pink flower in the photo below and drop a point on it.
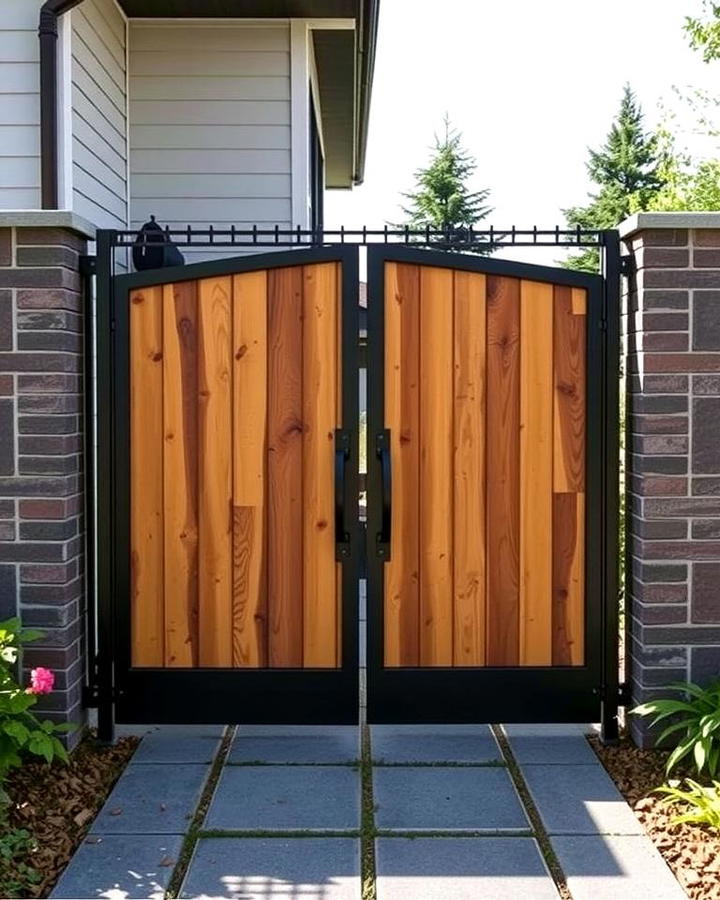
(41, 681)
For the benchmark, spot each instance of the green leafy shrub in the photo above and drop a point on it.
(20, 730)
(703, 802)
(697, 718)
(17, 876)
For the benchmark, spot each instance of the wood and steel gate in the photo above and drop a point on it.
(230, 544)
(487, 421)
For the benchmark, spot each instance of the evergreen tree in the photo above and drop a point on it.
(628, 172)
(441, 198)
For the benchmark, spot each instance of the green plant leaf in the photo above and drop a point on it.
(29, 634)
(16, 730)
(41, 745)
(700, 754)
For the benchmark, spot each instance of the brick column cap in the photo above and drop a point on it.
(47, 218)
(644, 221)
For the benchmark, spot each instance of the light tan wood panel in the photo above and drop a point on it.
(146, 476)
(320, 379)
(402, 414)
(469, 470)
(215, 465)
(285, 467)
(503, 470)
(249, 603)
(536, 472)
(180, 472)
(436, 460)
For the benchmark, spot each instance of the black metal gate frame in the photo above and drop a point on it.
(299, 695)
(506, 694)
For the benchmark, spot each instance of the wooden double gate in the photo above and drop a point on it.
(233, 507)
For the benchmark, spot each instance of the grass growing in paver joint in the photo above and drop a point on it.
(367, 820)
(194, 832)
(541, 835)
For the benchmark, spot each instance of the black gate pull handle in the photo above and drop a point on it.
(383, 538)
(342, 454)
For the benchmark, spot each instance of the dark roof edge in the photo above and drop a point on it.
(367, 42)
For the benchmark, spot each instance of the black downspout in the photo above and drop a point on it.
(50, 12)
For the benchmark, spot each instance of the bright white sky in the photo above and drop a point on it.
(530, 83)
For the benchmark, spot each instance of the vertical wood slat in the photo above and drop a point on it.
(469, 573)
(339, 275)
(249, 601)
(536, 472)
(180, 472)
(503, 463)
(319, 420)
(436, 459)
(215, 503)
(402, 414)
(285, 467)
(146, 476)
(569, 415)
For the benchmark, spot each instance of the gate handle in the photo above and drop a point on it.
(342, 454)
(382, 450)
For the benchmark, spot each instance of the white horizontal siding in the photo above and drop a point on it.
(210, 126)
(19, 104)
(99, 114)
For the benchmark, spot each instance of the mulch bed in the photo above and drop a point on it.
(57, 804)
(691, 851)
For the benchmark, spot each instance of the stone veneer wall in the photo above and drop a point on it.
(672, 333)
(41, 442)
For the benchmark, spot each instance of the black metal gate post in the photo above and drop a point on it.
(105, 488)
(610, 243)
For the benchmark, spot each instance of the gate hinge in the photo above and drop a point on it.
(627, 266)
(87, 265)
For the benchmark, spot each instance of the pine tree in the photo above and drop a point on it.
(442, 199)
(628, 172)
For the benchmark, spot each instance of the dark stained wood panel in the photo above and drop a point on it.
(503, 470)
(285, 467)
(568, 619)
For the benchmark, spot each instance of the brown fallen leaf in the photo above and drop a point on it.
(81, 818)
(117, 811)
(93, 839)
(167, 861)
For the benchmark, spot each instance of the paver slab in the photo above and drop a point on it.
(579, 800)
(112, 866)
(260, 868)
(308, 744)
(177, 747)
(286, 798)
(446, 798)
(602, 867)
(433, 744)
(491, 868)
(141, 730)
(549, 745)
(153, 799)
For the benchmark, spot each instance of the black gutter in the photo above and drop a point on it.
(50, 12)
(367, 41)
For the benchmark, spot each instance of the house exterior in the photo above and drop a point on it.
(198, 112)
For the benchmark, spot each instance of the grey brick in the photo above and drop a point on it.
(706, 593)
(679, 634)
(706, 320)
(20, 552)
(706, 446)
(678, 506)
(659, 573)
(46, 617)
(671, 300)
(7, 531)
(659, 677)
(47, 256)
(48, 465)
(47, 298)
(659, 593)
(706, 529)
(40, 278)
(48, 424)
(674, 278)
(7, 509)
(50, 444)
(661, 614)
(705, 487)
(658, 529)
(50, 403)
(49, 531)
(705, 664)
(660, 404)
(659, 444)
(49, 320)
(45, 383)
(50, 340)
(706, 384)
(6, 326)
(658, 465)
(5, 246)
(34, 362)
(49, 574)
(670, 657)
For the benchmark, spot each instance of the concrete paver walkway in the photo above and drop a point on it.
(417, 813)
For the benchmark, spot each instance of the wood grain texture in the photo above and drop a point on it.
(436, 460)
(402, 415)
(568, 601)
(503, 470)
(355, 511)
(215, 466)
(320, 367)
(569, 402)
(180, 472)
(536, 472)
(249, 591)
(285, 467)
(469, 574)
(146, 477)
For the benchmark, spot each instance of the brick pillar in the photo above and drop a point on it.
(41, 424)
(672, 332)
